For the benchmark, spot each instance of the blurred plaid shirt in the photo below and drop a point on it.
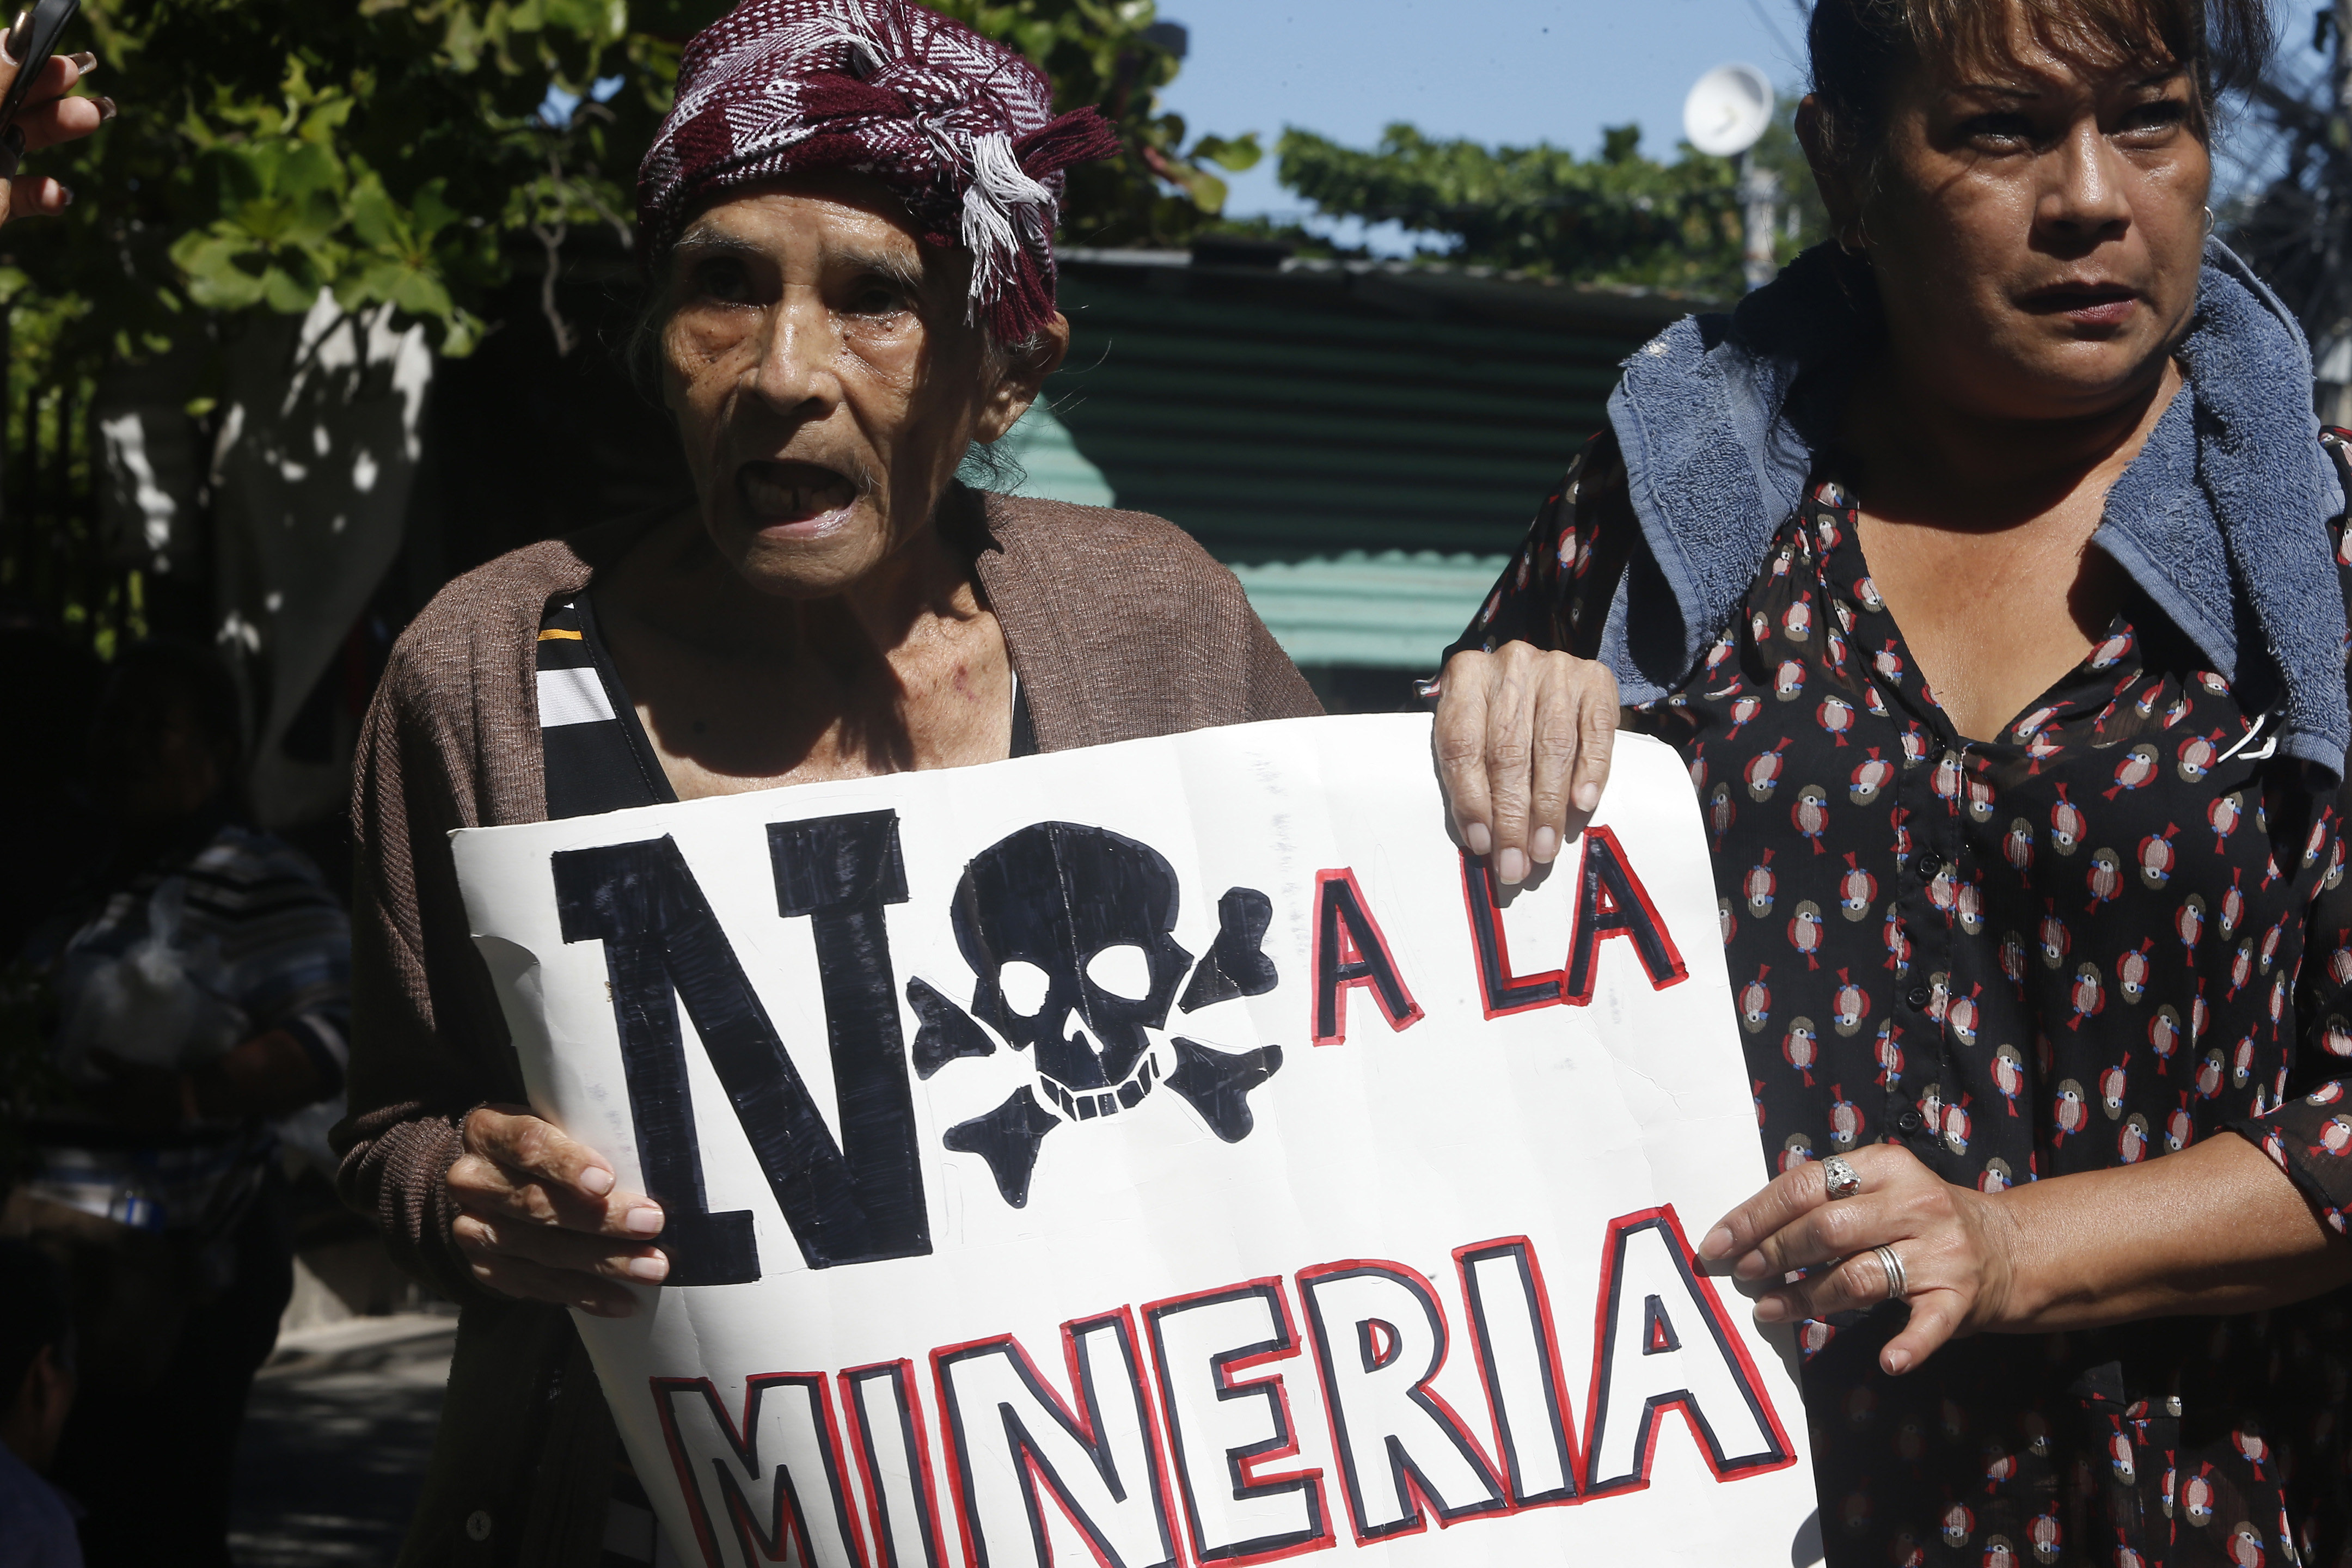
(271, 948)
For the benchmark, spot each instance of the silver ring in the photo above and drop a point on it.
(1842, 1179)
(1896, 1286)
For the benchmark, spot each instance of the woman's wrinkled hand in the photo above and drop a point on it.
(1523, 740)
(1956, 1246)
(542, 1219)
(48, 117)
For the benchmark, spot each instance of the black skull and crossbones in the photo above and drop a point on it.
(1044, 917)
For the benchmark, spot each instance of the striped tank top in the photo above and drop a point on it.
(599, 759)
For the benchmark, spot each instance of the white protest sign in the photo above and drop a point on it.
(1165, 1154)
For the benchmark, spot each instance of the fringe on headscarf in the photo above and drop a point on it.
(960, 127)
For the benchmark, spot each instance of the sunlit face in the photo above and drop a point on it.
(2037, 228)
(824, 379)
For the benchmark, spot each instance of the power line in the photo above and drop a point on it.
(1774, 28)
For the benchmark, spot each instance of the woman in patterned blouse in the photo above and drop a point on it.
(1986, 571)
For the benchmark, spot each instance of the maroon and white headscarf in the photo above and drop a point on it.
(963, 129)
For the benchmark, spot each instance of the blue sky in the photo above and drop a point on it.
(1514, 71)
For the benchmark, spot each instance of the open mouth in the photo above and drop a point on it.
(779, 495)
(2087, 304)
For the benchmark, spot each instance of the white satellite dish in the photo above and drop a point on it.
(1727, 109)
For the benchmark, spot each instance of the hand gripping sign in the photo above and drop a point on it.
(1171, 1153)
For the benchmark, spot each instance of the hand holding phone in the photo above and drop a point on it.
(30, 44)
(38, 106)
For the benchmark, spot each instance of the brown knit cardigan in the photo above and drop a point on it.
(1118, 625)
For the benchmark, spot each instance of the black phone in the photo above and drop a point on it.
(30, 43)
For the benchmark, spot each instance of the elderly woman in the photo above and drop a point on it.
(1986, 571)
(847, 216)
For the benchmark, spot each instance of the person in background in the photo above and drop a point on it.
(201, 974)
(37, 1390)
(1988, 571)
(847, 221)
(45, 817)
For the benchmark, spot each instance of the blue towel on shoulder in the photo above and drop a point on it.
(2220, 519)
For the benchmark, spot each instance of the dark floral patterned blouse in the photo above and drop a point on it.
(2118, 928)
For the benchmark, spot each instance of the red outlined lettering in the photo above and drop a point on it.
(1349, 951)
(903, 1517)
(1401, 1451)
(1611, 902)
(1658, 1334)
(1500, 991)
(1258, 1307)
(1072, 1458)
(1535, 1428)
(1710, 1379)
(714, 1475)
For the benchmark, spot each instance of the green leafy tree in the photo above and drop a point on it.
(388, 153)
(396, 150)
(1616, 217)
(1158, 190)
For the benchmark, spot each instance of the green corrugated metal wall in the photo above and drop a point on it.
(1298, 414)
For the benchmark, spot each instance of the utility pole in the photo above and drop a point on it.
(1760, 201)
(2341, 73)
(2332, 352)
(1727, 111)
